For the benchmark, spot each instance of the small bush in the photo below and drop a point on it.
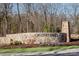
(11, 43)
(11, 40)
(17, 42)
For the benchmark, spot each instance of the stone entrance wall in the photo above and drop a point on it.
(33, 38)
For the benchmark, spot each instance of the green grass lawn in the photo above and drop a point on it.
(38, 49)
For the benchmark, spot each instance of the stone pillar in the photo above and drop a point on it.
(66, 29)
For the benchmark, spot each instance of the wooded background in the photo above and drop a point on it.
(37, 17)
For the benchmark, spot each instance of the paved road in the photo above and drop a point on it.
(63, 54)
(68, 52)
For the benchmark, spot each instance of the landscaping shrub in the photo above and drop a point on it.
(17, 42)
(11, 40)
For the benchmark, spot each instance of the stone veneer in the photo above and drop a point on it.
(32, 38)
(66, 29)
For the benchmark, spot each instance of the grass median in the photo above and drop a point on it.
(38, 49)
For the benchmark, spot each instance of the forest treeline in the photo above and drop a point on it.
(37, 17)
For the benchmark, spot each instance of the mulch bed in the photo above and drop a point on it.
(19, 46)
(71, 43)
(35, 45)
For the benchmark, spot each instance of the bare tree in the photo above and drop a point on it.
(75, 20)
(20, 21)
(6, 7)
